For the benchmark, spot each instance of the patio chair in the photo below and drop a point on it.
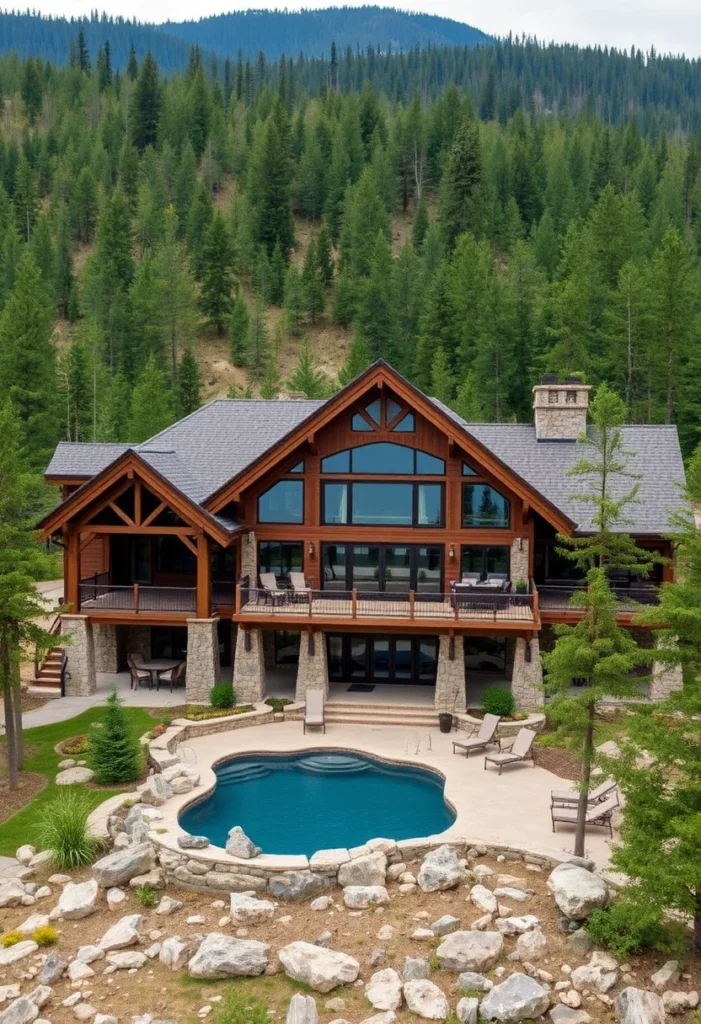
(485, 736)
(597, 814)
(300, 588)
(314, 709)
(570, 798)
(171, 676)
(138, 674)
(471, 579)
(271, 589)
(520, 750)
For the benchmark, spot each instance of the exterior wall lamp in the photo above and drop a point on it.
(311, 548)
(451, 551)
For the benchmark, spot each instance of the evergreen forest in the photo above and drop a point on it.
(166, 239)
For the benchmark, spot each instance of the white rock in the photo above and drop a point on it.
(239, 845)
(105, 1018)
(78, 971)
(40, 860)
(466, 1010)
(153, 950)
(302, 1009)
(680, 1002)
(24, 854)
(484, 899)
(42, 892)
(221, 956)
(245, 909)
(78, 900)
(128, 961)
(425, 999)
(41, 995)
(321, 903)
(470, 981)
(8, 992)
(634, 1006)
(33, 922)
(517, 925)
(388, 1017)
(175, 952)
(12, 954)
(195, 919)
(386, 933)
(532, 945)
(369, 870)
(122, 934)
(84, 1011)
(470, 951)
(22, 1011)
(422, 935)
(359, 897)
(156, 790)
(600, 974)
(72, 776)
(577, 891)
(668, 974)
(566, 1015)
(88, 954)
(516, 999)
(505, 892)
(482, 924)
(441, 869)
(59, 879)
(384, 990)
(11, 893)
(168, 906)
(321, 969)
(117, 868)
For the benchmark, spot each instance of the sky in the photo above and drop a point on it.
(673, 26)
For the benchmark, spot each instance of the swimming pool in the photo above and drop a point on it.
(319, 800)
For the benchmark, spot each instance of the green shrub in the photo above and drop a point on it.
(146, 895)
(197, 713)
(75, 746)
(12, 938)
(627, 927)
(115, 750)
(496, 701)
(45, 936)
(241, 1008)
(62, 828)
(222, 696)
(278, 703)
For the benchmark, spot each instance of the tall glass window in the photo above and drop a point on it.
(280, 557)
(386, 458)
(484, 507)
(282, 503)
(390, 504)
(335, 568)
(335, 503)
(429, 500)
(482, 559)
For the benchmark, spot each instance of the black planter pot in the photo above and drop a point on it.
(445, 721)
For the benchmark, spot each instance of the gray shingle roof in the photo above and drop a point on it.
(78, 458)
(656, 459)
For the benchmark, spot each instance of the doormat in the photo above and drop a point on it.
(360, 688)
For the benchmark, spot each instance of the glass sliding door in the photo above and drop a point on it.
(396, 576)
(366, 567)
(382, 659)
(383, 568)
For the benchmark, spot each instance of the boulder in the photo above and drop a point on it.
(470, 951)
(156, 790)
(41, 860)
(40, 995)
(484, 899)
(78, 971)
(167, 906)
(359, 897)
(78, 900)
(118, 868)
(680, 1002)
(668, 974)
(580, 942)
(9, 992)
(415, 968)
(220, 956)
(122, 934)
(245, 909)
(370, 869)
(507, 892)
(384, 990)
(115, 898)
(440, 870)
(560, 1014)
(12, 954)
(466, 1010)
(297, 885)
(321, 969)
(188, 842)
(577, 891)
(53, 968)
(470, 981)
(445, 925)
(239, 845)
(131, 960)
(517, 925)
(388, 1017)
(532, 945)
(518, 998)
(72, 776)
(600, 973)
(11, 893)
(22, 1011)
(33, 922)
(175, 952)
(302, 1009)
(425, 999)
(635, 1006)
(24, 854)
(88, 954)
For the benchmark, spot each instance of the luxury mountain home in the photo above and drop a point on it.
(374, 538)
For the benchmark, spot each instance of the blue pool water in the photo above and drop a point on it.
(300, 803)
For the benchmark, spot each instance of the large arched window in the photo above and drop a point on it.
(385, 458)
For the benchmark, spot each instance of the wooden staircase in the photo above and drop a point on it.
(47, 670)
(409, 716)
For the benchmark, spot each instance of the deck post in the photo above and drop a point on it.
(204, 577)
(237, 606)
(136, 597)
(411, 604)
(354, 603)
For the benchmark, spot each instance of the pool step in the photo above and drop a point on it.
(336, 764)
(416, 716)
(235, 774)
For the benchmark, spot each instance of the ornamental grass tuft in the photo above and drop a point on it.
(62, 828)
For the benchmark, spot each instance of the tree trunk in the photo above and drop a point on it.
(696, 939)
(588, 754)
(9, 715)
(17, 707)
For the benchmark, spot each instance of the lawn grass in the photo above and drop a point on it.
(20, 828)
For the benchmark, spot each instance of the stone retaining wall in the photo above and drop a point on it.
(466, 723)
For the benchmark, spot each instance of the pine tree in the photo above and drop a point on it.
(82, 55)
(312, 285)
(307, 377)
(115, 750)
(114, 237)
(132, 64)
(374, 317)
(269, 189)
(188, 385)
(26, 199)
(460, 182)
(65, 281)
(114, 413)
(420, 225)
(673, 306)
(238, 331)
(199, 113)
(442, 381)
(357, 360)
(217, 274)
(31, 90)
(324, 254)
(151, 407)
(42, 249)
(257, 345)
(185, 183)
(147, 105)
(278, 270)
(294, 300)
(175, 288)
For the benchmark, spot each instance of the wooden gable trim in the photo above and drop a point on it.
(377, 376)
(129, 466)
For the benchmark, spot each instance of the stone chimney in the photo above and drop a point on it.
(560, 409)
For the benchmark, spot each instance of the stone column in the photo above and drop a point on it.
(105, 642)
(80, 651)
(249, 667)
(666, 679)
(268, 649)
(519, 560)
(202, 659)
(312, 672)
(527, 676)
(450, 679)
(249, 558)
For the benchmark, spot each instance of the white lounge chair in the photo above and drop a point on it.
(567, 798)
(485, 736)
(271, 589)
(597, 814)
(299, 584)
(314, 709)
(520, 750)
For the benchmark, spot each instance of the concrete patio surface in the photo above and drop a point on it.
(513, 808)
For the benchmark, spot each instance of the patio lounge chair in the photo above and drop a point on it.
(138, 674)
(520, 750)
(299, 585)
(171, 676)
(570, 798)
(314, 709)
(271, 589)
(597, 814)
(485, 735)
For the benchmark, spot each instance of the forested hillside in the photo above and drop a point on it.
(163, 240)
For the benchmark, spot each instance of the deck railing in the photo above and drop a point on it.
(136, 598)
(363, 604)
(570, 596)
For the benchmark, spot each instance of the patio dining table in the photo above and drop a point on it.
(156, 665)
